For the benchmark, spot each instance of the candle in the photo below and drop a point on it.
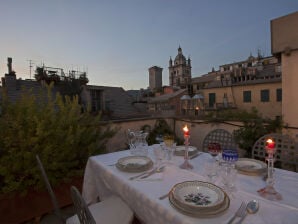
(185, 130)
(270, 144)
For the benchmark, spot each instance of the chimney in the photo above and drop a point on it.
(9, 65)
(10, 82)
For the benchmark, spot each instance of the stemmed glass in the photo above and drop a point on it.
(214, 149)
(227, 170)
(131, 139)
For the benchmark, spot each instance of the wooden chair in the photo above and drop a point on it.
(220, 136)
(286, 155)
(110, 211)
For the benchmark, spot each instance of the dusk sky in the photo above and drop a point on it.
(116, 41)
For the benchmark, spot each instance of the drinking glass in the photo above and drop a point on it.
(131, 140)
(159, 138)
(159, 155)
(228, 172)
(211, 170)
(214, 149)
(169, 146)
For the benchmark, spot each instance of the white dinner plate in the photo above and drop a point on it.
(180, 150)
(201, 212)
(134, 163)
(250, 166)
(198, 195)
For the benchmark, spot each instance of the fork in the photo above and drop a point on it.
(157, 170)
(142, 174)
(239, 213)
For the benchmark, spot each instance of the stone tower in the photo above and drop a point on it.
(180, 71)
(155, 78)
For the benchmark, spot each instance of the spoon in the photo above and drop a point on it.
(251, 208)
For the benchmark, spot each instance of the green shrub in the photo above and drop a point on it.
(161, 128)
(253, 128)
(53, 127)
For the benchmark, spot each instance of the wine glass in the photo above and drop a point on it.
(214, 149)
(131, 139)
(228, 172)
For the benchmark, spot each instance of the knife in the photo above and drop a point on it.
(141, 174)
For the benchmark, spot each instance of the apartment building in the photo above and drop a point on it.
(254, 82)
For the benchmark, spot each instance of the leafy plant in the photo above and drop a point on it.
(253, 129)
(161, 128)
(53, 127)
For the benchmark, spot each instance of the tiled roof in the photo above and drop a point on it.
(120, 103)
(166, 97)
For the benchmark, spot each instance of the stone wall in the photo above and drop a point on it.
(198, 130)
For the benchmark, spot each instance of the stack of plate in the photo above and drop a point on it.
(180, 150)
(199, 199)
(134, 164)
(251, 166)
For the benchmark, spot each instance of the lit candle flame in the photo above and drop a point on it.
(270, 143)
(186, 130)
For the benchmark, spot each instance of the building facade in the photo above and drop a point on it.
(155, 78)
(284, 45)
(252, 83)
(180, 71)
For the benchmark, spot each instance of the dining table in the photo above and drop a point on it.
(102, 178)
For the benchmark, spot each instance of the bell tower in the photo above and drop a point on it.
(180, 71)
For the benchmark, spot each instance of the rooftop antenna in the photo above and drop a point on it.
(30, 66)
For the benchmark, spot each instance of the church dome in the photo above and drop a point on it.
(180, 59)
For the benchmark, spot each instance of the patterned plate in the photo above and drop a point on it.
(197, 195)
(251, 166)
(134, 164)
(180, 150)
(201, 213)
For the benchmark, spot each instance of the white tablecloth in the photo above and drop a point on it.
(101, 179)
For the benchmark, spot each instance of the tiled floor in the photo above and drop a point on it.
(51, 218)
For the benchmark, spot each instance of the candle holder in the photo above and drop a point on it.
(269, 192)
(186, 164)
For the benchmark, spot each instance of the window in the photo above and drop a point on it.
(212, 99)
(278, 95)
(265, 95)
(246, 96)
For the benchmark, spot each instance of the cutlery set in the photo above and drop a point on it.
(148, 173)
(250, 208)
(239, 213)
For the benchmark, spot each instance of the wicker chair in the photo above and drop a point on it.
(286, 155)
(220, 136)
